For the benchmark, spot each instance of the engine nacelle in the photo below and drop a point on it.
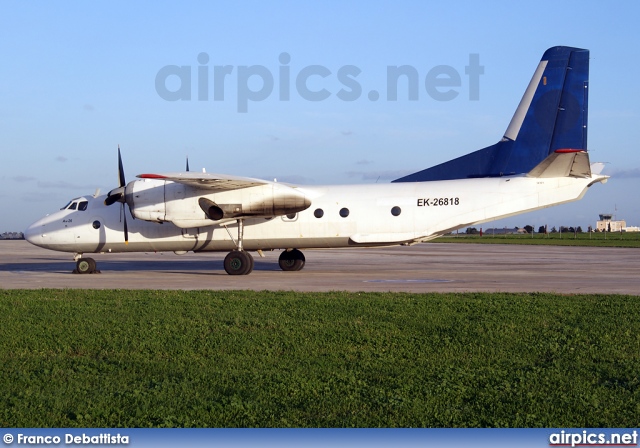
(260, 201)
(187, 206)
(217, 212)
(146, 199)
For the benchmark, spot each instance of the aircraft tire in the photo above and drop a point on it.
(291, 260)
(86, 266)
(238, 262)
(252, 262)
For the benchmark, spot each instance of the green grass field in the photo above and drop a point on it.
(595, 239)
(74, 358)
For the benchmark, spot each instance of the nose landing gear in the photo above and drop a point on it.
(85, 265)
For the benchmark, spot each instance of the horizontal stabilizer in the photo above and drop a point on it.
(563, 163)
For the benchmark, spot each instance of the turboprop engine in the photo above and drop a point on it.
(187, 206)
(191, 200)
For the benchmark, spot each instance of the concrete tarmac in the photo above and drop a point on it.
(430, 267)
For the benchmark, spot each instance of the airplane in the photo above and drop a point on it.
(541, 161)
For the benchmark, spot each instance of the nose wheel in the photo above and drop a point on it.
(85, 266)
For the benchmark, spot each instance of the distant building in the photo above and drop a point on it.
(607, 224)
(12, 236)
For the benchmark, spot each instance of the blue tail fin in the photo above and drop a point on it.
(552, 115)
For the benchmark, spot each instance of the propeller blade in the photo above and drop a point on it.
(121, 178)
(112, 199)
(187, 163)
(118, 195)
(126, 229)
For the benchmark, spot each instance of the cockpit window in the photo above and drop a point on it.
(77, 203)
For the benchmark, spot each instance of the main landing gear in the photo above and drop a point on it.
(240, 262)
(291, 260)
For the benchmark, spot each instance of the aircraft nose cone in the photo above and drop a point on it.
(33, 234)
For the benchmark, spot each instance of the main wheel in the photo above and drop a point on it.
(291, 260)
(238, 262)
(86, 266)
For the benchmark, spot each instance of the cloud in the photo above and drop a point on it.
(89, 107)
(23, 178)
(61, 159)
(377, 175)
(61, 185)
(295, 179)
(631, 173)
(35, 197)
(346, 133)
(364, 162)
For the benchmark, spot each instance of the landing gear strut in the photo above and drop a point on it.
(238, 261)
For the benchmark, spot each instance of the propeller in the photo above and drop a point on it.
(118, 195)
(187, 163)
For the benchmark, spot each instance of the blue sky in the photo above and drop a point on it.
(79, 78)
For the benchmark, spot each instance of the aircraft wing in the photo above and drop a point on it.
(209, 181)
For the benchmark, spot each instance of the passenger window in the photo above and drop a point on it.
(73, 206)
(83, 205)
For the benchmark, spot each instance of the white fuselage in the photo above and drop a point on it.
(426, 211)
